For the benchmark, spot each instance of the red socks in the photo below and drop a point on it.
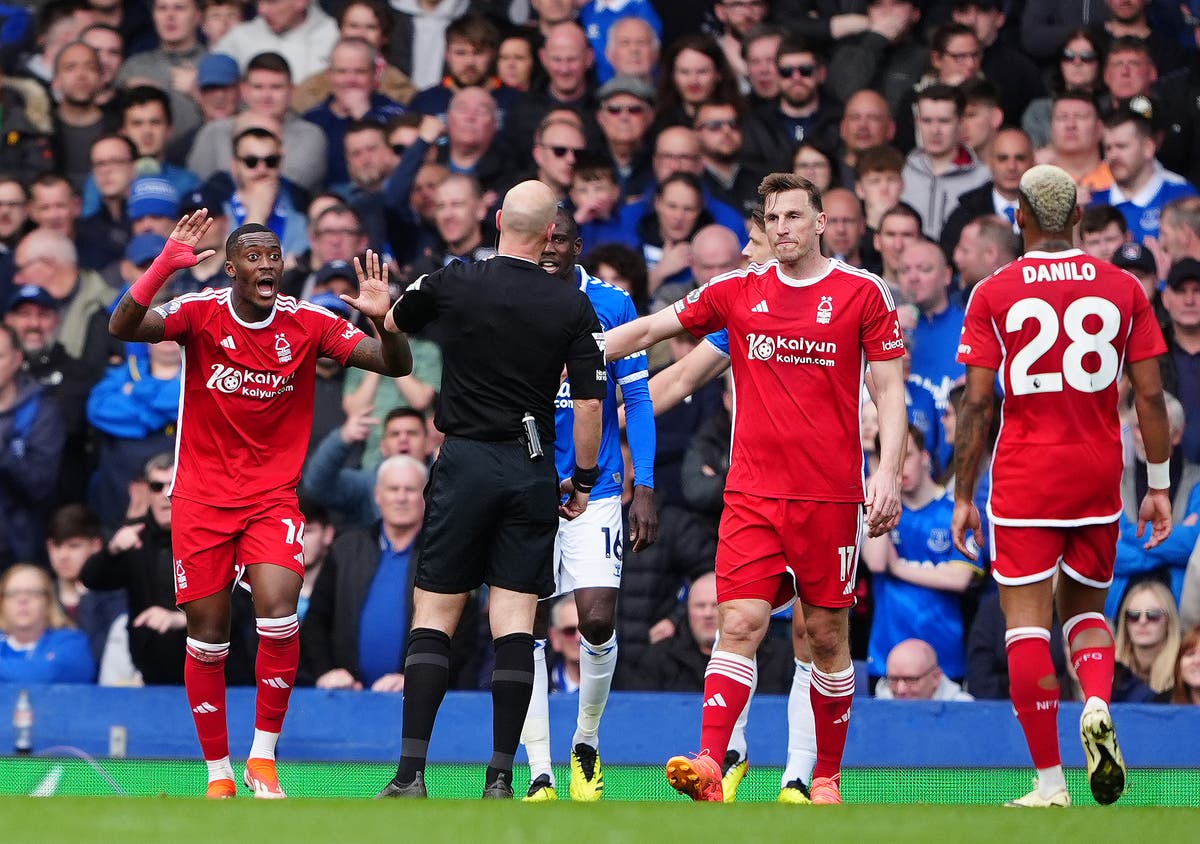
(728, 681)
(1093, 664)
(831, 696)
(275, 670)
(204, 680)
(1034, 690)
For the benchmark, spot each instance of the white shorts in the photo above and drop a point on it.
(588, 550)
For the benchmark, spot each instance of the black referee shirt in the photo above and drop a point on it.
(506, 327)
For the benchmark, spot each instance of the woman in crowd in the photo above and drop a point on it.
(816, 165)
(1148, 635)
(694, 71)
(1187, 669)
(1078, 67)
(516, 62)
(37, 642)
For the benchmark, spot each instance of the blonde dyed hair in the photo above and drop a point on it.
(56, 618)
(1162, 668)
(1049, 192)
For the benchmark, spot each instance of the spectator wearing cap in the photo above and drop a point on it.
(1017, 77)
(218, 96)
(1170, 103)
(354, 95)
(299, 30)
(1181, 364)
(211, 271)
(34, 315)
(625, 116)
(803, 113)
(258, 196)
(146, 120)
(133, 411)
(1139, 260)
(335, 237)
(139, 254)
(266, 90)
(31, 441)
(600, 17)
(1141, 185)
(153, 206)
(49, 260)
(102, 235)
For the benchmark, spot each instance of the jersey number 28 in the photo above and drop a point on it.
(1082, 342)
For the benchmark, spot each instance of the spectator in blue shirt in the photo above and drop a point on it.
(925, 281)
(917, 574)
(598, 18)
(37, 642)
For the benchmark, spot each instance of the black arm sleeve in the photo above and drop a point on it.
(418, 304)
(585, 357)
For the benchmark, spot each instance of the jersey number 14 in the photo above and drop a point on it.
(1082, 342)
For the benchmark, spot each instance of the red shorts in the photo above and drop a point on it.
(213, 545)
(779, 549)
(1029, 554)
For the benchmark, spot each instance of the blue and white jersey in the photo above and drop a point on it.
(904, 610)
(1142, 210)
(719, 340)
(613, 307)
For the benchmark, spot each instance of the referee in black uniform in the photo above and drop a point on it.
(492, 502)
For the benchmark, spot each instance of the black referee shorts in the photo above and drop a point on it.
(491, 515)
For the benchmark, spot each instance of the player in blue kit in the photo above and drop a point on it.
(588, 550)
(917, 574)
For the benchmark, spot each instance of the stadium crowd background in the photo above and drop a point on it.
(351, 124)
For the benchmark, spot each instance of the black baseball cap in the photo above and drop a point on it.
(1183, 270)
(1134, 256)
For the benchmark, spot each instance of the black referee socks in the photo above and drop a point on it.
(512, 685)
(426, 676)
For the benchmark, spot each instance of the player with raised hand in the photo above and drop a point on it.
(244, 421)
(1059, 326)
(801, 329)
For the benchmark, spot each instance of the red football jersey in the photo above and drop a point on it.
(798, 349)
(1058, 327)
(246, 403)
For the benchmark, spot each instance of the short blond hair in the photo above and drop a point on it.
(1049, 192)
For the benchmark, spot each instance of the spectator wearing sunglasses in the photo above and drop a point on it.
(625, 115)
(258, 196)
(1002, 62)
(133, 411)
(719, 129)
(564, 646)
(1168, 561)
(555, 147)
(1147, 642)
(1077, 69)
(802, 113)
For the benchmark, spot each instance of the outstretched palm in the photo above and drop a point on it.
(189, 231)
(374, 298)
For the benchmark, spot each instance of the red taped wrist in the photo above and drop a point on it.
(175, 256)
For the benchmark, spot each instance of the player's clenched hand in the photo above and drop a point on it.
(389, 683)
(883, 503)
(338, 678)
(373, 299)
(576, 502)
(179, 253)
(643, 518)
(1155, 511)
(966, 518)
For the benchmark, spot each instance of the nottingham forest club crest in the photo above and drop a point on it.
(283, 348)
(825, 310)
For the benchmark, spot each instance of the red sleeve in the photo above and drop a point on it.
(1145, 335)
(979, 345)
(703, 310)
(880, 336)
(176, 316)
(338, 337)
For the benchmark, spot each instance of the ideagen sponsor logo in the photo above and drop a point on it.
(247, 382)
(778, 348)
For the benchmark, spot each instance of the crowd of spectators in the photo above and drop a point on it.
(345, 125)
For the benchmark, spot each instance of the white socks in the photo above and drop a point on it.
(1051, 781)
(802, 729)
(535, 735)
(263, 746)
(596, 666)
(219, 769)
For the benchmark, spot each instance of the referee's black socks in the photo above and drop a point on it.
(512, 685)
(426, 676)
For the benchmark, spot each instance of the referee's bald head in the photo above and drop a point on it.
(1048, 200)
(525, 219)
